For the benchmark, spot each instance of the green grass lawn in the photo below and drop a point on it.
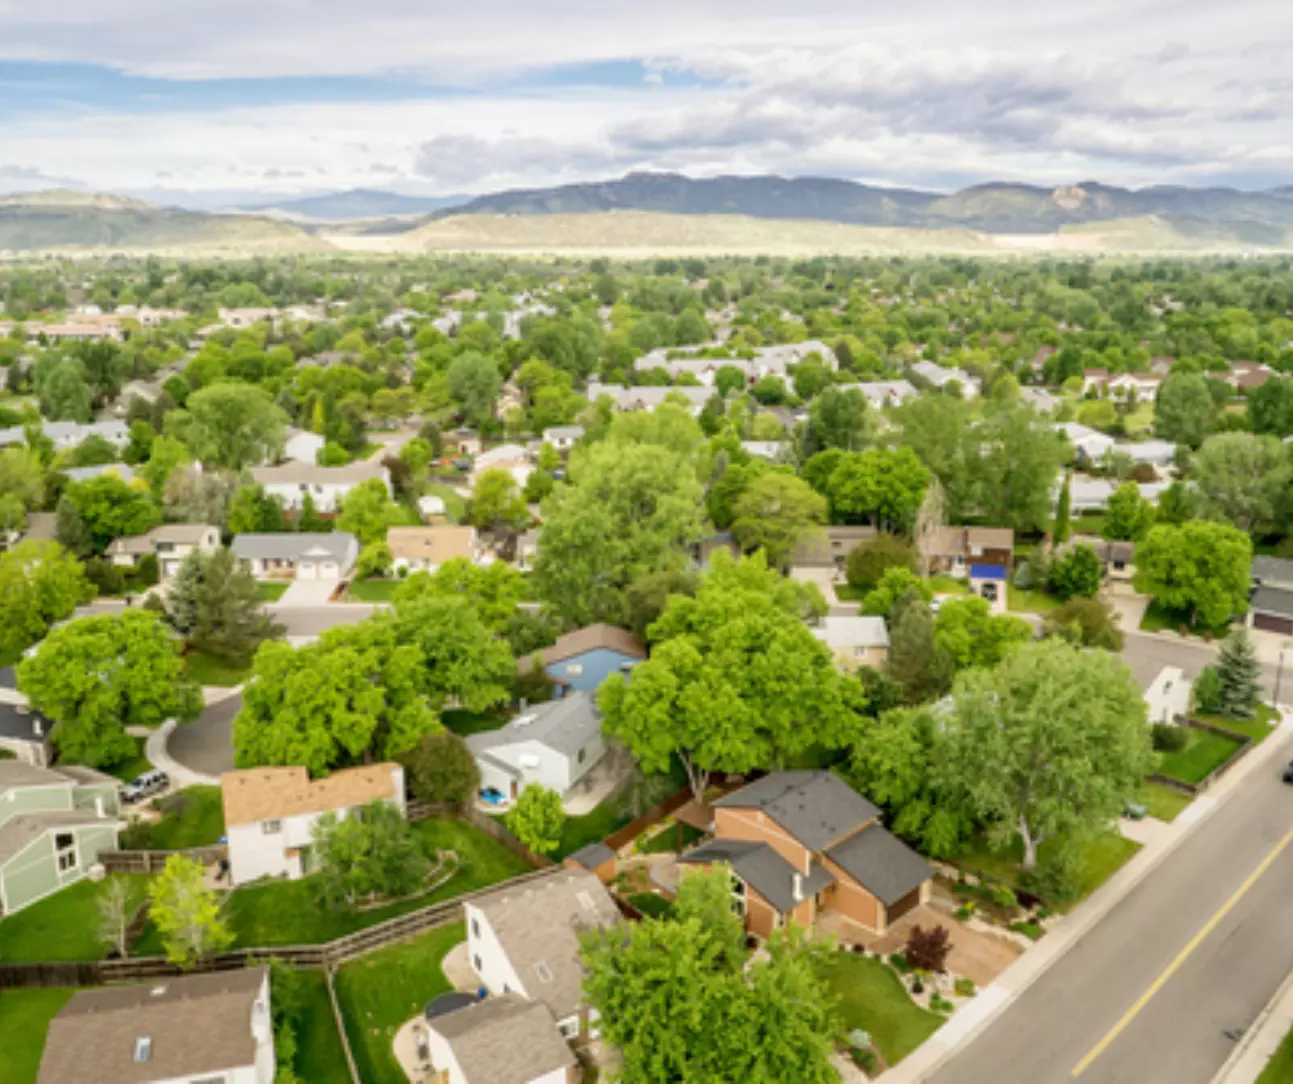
(1279, 1070)
(384, 990)
(463, 723)
(1162, 802)
(289, 912)
(24, 1020)
(372, 590)
(577, 832)
(1023, 600)
(651, 905)
(194, 817)
(846, 592)
(1203, 753)
(64, 926)
(1088, 523)
(1102, 857)
(666, 842)
(207, 669)
(367, 451)
(135, 766)
(948, 585)
(320, 1058)
(271, 590)
(1159, 618)
(1139, 422)
(454, 505)
(868, 995)
(1258, 728)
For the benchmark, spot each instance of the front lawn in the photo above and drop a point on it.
(1279, 1070)
(869, 995)
(463, 723)
(208, 669)
(1158, 618)
(371, 590)
(271, 590)
(24, 1022)
(1101, 857)
(948, 585)
(454, 505)
(1091, 523)
(1162, 802)
(1258, 728)
(1025, 600)
(320, 1058)
(846, 592)
(382, 991)
(290, 913)
(193, 817)
(1202, 754)
(64, 926)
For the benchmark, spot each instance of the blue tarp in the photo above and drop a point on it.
(987, 572)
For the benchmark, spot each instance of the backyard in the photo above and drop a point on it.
(1162, 802)
(1203, 753)
(454, 505)
(463, 723)
(870, 996)
(193, 817)
(320, 1058)
(64, 926)
(383, 990)
(24, 1020)
(1024, 600)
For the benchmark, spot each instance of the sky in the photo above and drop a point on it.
(211, 104)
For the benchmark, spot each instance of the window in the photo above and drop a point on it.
(66, 861)
(475, 962)
(64, 840)
(271, 828)
(582, 754)
(569, 1028)
(475, 928)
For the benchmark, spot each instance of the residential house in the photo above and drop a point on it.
(270, 813)
(855, 641)
(801, 844)
(883, 393)
(1117, 559)
(82, 332)
(1094, 380)
(150, 317)
(170, 544)
(1128, 385)
(523, 940)
(1167, 697)
(54, 824)
(297, 555)
(555, 744)
(1092, 494)
(563, 437)
(463, 441)
(181, 1029)
(583, 659)
(649, 398)
(1040, 400)
(1160, 454)
(703, 549)
(1270, 606)
(498, 1040)
(1272, 572)
(939, 377)
(24, 732)
(1246, 375)
(83, 474)
(65, 435)
(829, 548)
(302, 446)
(242, 318)
(974, 553)
(328, 486)
(774, 451)
(147, 391)
(1089, 445)
(425, 549)
(512, 458)
(597, 858)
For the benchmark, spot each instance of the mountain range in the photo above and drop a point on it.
(357, 203)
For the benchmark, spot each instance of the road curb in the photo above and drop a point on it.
(974, 1019)
(1233, 1070)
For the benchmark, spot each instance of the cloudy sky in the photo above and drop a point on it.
(208, 103)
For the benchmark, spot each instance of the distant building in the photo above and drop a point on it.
(327, 485)
(297, 555)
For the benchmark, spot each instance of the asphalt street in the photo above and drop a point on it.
(1147, 655)
(1162, 988)
(206, 744)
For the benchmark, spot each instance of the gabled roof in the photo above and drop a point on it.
(436, 544)
(564, 725)
(538, 924)
(816, 807)
(199, 1025)
(1272, 570)
(16, 774)
(1272, 600)
(20, 832)
(262, 794)
(311, 474)
(23, 723)
(592, 855)
(504, 1040)
(763, 869)
(589, 638)
(293, 545)
(881, 863)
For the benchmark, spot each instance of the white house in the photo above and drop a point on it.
(555, 744)
(563, 437)
(247, 317)
(939, 377)
(425, 549)
(883, 393)
(855, 640)
(328, 486)
(170, 544)
(297, 555)
(500, 1040)
(1155, 453)
(649, 398)
(1168, 695)
(302, 446)
(69, 434)
(774, 451)
(180, 1029)
(1089, 445)
(1040, 400)
(512, 458)
(524, 940)
(83, 474)
(270, 813)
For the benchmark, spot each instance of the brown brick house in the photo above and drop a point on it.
(803, 843)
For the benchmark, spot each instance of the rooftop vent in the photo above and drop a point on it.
(543, 971)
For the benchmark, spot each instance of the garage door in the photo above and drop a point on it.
(307, 570)
(329, 570)
(1272, 623)
(902, 906)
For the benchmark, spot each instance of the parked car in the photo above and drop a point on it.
(146, 785)
(1288, 772)
(492, 796)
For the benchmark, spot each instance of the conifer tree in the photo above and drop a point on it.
(1240, 675)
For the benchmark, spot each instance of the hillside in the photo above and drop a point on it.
(992, 208)
(67, 220)
(358, 203)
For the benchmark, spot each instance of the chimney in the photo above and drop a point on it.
(797, 887)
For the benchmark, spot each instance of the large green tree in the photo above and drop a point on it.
(972, 635)
(40, 584)
(230, 425)
(1242, 479)
(367, 858)
(1049, 743)
(95, 676)
(368, 512)
(474, 381)
(216, 606)
(1016, 463)
(463, 661)
(1270, 407)
(497, 503)
(1240, 676)
(1129, 515)
(494, 590)
(776, 513)
(838, 418)
(880, 485)
(1184, 410)
(110, 508)
(188, 912)
(1199, 569)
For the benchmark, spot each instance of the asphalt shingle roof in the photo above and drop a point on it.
(565, 725)
(881, 863)
(763, 869)
(816, 807)
(504, 1040)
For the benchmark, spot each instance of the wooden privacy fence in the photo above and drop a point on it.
(329, 955)
(654, 815)
(420, 811)
(1194, 789)
(154, 861)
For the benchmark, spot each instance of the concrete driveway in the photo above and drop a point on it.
(308, 593)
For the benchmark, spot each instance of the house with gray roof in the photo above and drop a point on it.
(83, 474)
(24, 732)
(500, 1040)
(326, 486)
(297, 555)
(942, 377)
(804, 843)
(554, 744)
(649, 398)
(1270, 606)
(54, 824)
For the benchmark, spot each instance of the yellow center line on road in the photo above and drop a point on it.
(1184, 955)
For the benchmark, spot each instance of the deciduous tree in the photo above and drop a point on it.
(442, 770)
(776, 513)
(1242, 479)
(40, 584)
(1077, 572)
(537, 818)
(1183, 409)
(371, 856)
(187, 913)
(1129, 515)
(1085, 622)
(868, 561)
(1199, 569)
(230, 425)
(972, 635)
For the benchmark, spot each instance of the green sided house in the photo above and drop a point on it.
(54, 824)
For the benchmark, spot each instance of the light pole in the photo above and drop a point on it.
(1279, 672)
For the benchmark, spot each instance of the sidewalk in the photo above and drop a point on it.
(1260, 1041)
(973, 1019)
(180, 776)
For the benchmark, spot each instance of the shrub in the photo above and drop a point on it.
(965, 911)
(442, 770)
(965, 987)
(1168, 738)
(1055, 880)
(868, 562)
(1078, 572)
(899, 963)
(106, 577)
(1085, 622)
(1029, 929)
(1003, 896)
(1208, 691)
(938, 1003)
(146, 572)
(927, 949)
(865, 1060)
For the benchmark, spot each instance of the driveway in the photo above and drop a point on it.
(305, 623)
(205, 746)
(308, 593)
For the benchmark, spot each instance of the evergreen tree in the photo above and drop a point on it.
(69, 528)
(1060, 532)
(309, 519)
(1240, 675)
(182, 595)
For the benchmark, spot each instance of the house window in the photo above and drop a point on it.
(475, 928)
(582, 753)
(738, 895)
(569, 1028)
(65, 850)
(475, 962)
(271, 828)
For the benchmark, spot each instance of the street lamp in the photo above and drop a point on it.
(1279, 672)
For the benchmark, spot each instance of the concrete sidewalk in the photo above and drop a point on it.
(971, 1020)
(1260, 1041)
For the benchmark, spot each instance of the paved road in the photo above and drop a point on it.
(205, 745)
(305, 621)
(1147, 655)
(1227, 966)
